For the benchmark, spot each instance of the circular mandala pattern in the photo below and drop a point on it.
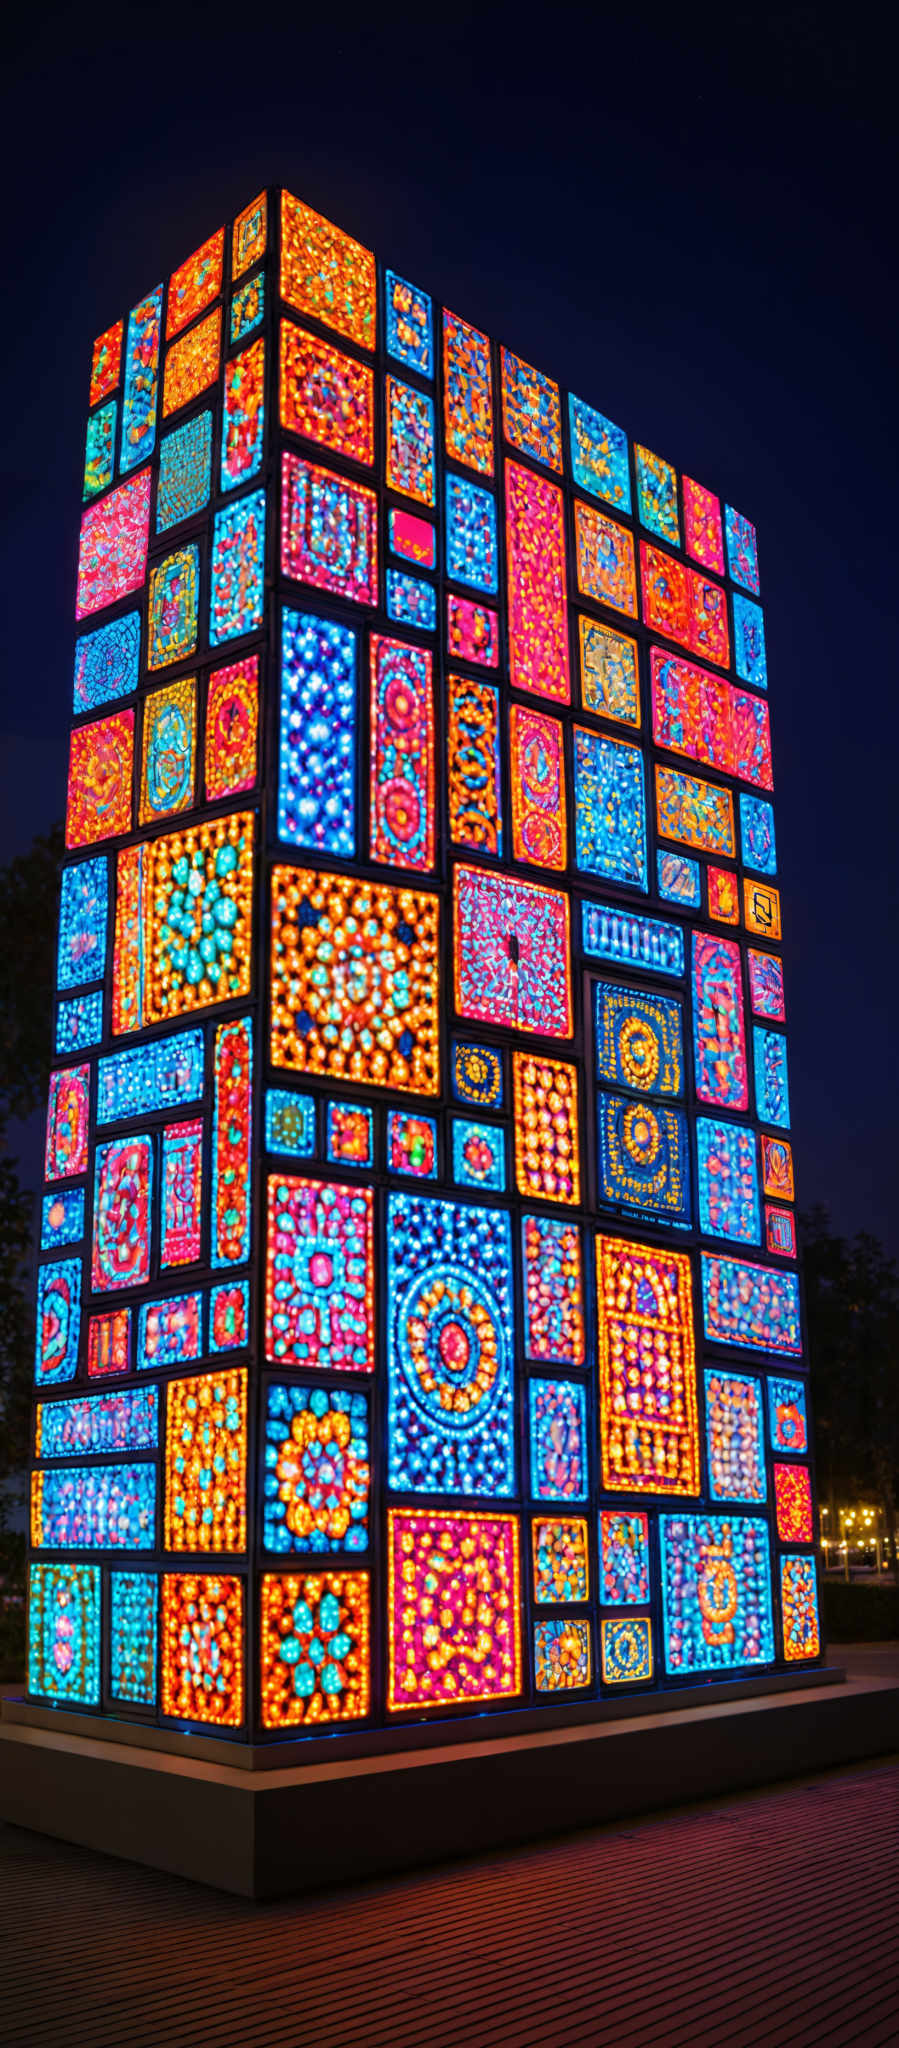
(402, 811)
(451, 1346)
(641, 1135)
(639, 1052)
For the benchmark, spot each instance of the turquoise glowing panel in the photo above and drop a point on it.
(742, 551)
(610, 809)
(716, 1592)
(349, 1134)
(58, 1321)
(599, 455)
(127, 1420)
(787, 1415)
(623, 1558)
(238, 569)
(410, 327)
(185, 471)
(160, 1075)
(123, 1186)
(756, 1307)
(734, 1436)
(290, 1123)
(772, 1091)
(679, 878)
(644, 1157)
(411, 601)
(558, 1440)
(79, 1023)
(638, 1039)
(229, 1315)
(64, 1633)
(141, 381)
(657, 495)
(181, 1194)
(477, 1075)
(728, 1181)
(317, 1475)
(757, 835)
(750, 659)
(99, 450)
(106, 663)
(83, 917)
(94, 1507)
(170, 1332)
(62, 1219)
(719, 1040)
(133, 1610)
(471, 556)
(609, 933)
(450, 1348)
(319, 730)
(479, 1155)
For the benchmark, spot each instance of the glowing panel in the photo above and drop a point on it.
(562, 1656)
(106, 363)
(206, 1462)
(772, 1093)
(202, 1648)
(610, 809)
(539, 832)
(192, 363)
(702, 526)
(657, 495)
(170, 735)
(243, 415)
(561, 1571)
(558, 1440)
(325, 395)
(411, 602)
(349, 1134)
(626, 1649)
(94, 1507)
(134, 1601)
(410, 442)
(512, 961)
(325, 273)
(479, 1155)
(181, 1200)
(185, 472)
(465, 1645)
(787, 1417)
(64, 1633)
(638, 1039)
(799, 1608)
(644, 1157)
(473, 769)
(793, 1499)
(605, 559)
(766, 984)
(232, 1129)
(412, 538)
(172, 607)
(532, 418)
(753, 1306)
(757, 835)
(467, 395)
(623, 1558)
(169, 1332)
(742, 552)
(232, 720)
(315, 1648)
(317, 1473)
(229, 1316)
(329, 531)
(547, 1147)
(106, 663)
(734, 1444)
(183, 922)
(716, 1592)
(610, 933)
(127, 1420)
(112, 552)
(83, 914)
(249, 236)
(158, 1075)
(719, 1040)
(62, 1219)
(777, 1168)
(317, 779)
(724, 895)
(65, 1145)
(109, 1343)
(355, 980)
(471, 549)
(141, 381)
(750, 659)
(553, 1290)
(477, 1075)
(728, 1181)
(412, 1145)
(123, 1186)
(599, 455)
(290, 1122)
(679, 878)
(698, 813)
(238, 569)
(58, 1321)
(319, 1305)
(247, 308)
(761, 910)
(79, 1023)
(195, 284)
(472, 631)
(683, 605)
(409, 325)
(99, 451)
(647, 1369)
(402, 754)
(609, 671)
(535, 562)
(780, 1232)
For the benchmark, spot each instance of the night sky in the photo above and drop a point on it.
(689, 224)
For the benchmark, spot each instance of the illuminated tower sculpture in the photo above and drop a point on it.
(418, 1318)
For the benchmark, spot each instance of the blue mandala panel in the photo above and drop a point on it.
(451, 1347)
(639, 1040)
(716, 1592)
(644, 1157)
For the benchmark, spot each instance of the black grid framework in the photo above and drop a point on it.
(592, 1218)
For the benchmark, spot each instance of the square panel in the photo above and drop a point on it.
(194, 285)
(232, 724)
(562, 1654)
(192, 363)
(412, 1144)
(657, 495)
(237, 569)
(315, 1664)
(605, 559)
(317, 1474)
(766, 984)
(644, 1158)
(716, 1593)
(777, 1168)
(363, 956)
(793, 1500)
(698, 813)
(410, 326)
(755, 1307)
(320, 1286)
(639, 1039)
(94, 1507)
(326, 396)
(349, 1134)
(329, 531)
(101, 768)
(512, 959)
(479, 1155)
(325, 273)
(467, 395)
(185, 472)
(469, 1652)
(532, 417)
(183, 922)
(561, 1567)
(599, 461)
(702, 526)
(106, 663)
(787, 1415)
(626, 1649)
(610, 809)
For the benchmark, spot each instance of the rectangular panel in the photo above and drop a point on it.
(181, 1199)
(94, 1507)
(683, 605)
(511, 952)
(402, 754)
(698, 813)
(467, 395)
(321, 981)
(232, 1138)
(127, 1420)
(326, 396)
(329, 531)
(610, 809)
(719, 1037)
(319, 734)
(325, 273)
(756, 1307)
(535, 562)
(716, 1593)
(473, 768)
(650, 1432)
(320, 1280)
(537, 773)
(159, 1075)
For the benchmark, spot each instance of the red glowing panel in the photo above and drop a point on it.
(232, 719)
(412, 538)
(683, 605)
(325, 395)
(101, 758)
(182, 1193)
(538, 788)
(538, 622)
(472, 631)
(109, 1343)
(780, 1231)
(455, 1606)
(65, 1147)
(329, 531)
(106, 363)
(605, 559)
(777, 1169)
(793, 1495)
(702, 526)
(195, 284)
(724, 895)
(112, 553)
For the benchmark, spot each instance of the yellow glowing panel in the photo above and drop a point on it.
(355, 980)
(206, 1462)
(547, 1150)
(192, 363)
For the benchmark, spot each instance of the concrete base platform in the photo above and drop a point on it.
(266, 1833)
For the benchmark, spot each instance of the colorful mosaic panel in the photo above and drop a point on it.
(192, 364)
(605, 559)
(599, 455)
(609, 671)
(473, 765)
(65, 1145)
(109, 1343)
(638, 1039)
(62, 1219)
(553, 1290)
(169, 747)
(471, 547)
(94, 1507)
(626, 1650)
(101, 758)
(610, 809)
(464, 1646)
(787, 1416)
(123, 1187)
(683, 605)
(411, 602)
(451, 1348)
(772, 1093)
(535, 564)
(325, 273)
(699, 813)
(558, 1440)
(355, 980)
(158, 1075)
(561, 1570)
(206, 1462)
(679, 878)
(317, 777)
(410, 442)
(719, 1039)
(728, 1181)
(647, 1370)
(169, 1332)
(412, 1145)
(194, 285)
(699, 714)
(174, 591)
(249, 236)
(793, 1499)
(325, 395)
(349, 1134)
(112, 554)
(477, 1075)
(753, 1306)
(315, 1648)
(229, 1316)
(757, 835)
(238, 569)
(472, 631)
(750, 658)
(232, 1133)
(623, 1559)
(799, 1609)
(243, 416)
(479, 1155)
(702, 527)
(183, 922)
(539, 831)
(106, 662)
(106, 363)
(716, 1592)
(742, 552)
(657, 495)
(317, 1472)
(512, 962)
(644, 1157)
(766, 984)
(202, 1648)
(133, 1609)
(532, 417)
(141, 381)
(64, 1633)
(79, 1023)
(99, 451)
(181, 1200)
(402, 754)
(724, 895)
(413, 538)
(58, 1321)
(547, 1146)
(247, 308)
(780, 1232)
(185, 472)
(232, 720)
(734, 1443)
(329, 531)
(83, 915)
(409, 324)
(609, 933)
(127, 1420)
(290, 1122)
(562, 1656)
(319, 1306)
(467, 395)
(761, 910)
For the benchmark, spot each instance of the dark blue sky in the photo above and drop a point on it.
(691, 224)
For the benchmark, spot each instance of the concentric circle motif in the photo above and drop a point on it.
(639, 1052)
(641, 1135)
(400, 702)
(452, 1346)
(402, 810)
